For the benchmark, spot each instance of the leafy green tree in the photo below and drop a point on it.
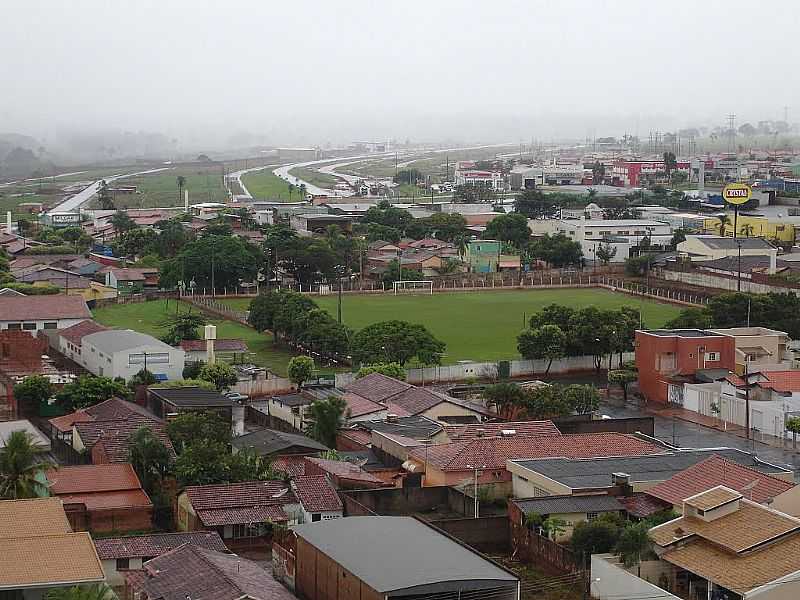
(181, 184)
(670, 162)
(191, 369)
(264, 307)
(557, 250)
(633, 543)
(33, 390)
(324, 335)
(221, 374)
(230, 259)
(198, 427)
(396, 341)
(544, 402)
(392, 274)
(443, 226)
(88, 390)
(393, 370)
(21, 467)
(623, 379)
(122, 222)
(793, 425)
(136, 242)
(150, 459)
(104, 197)
(547, 342)
(691, 318)
(534, 204)
(172, 237)
(595, 537)
(638, 266)
(300, 369)
(203, 463)
(307, 259)
(605, 253)
(327, 417)
(582, 399)
(248, 465)
(512, 228)
(506, 397)
(143, 377)
(183, 326)
(95, 591)
(678, 236)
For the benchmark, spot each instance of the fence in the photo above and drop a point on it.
(755, 283)
(528, 546)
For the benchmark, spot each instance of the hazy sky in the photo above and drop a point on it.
(311, 72)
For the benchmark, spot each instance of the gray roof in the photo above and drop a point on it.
(550, 505)
(687, 333)
(118, 340)
(8, 427)
(596, 472)
(729, 243)
(416, 427)
(271, 441)
(191, 397)
(398, 553)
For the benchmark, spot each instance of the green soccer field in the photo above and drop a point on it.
(480, 326)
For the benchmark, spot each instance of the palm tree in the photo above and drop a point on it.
(181, 184)
(291, 189)
(302, 190)
(724, 221)
(104, 196)
(460, 242)
(747, 230)
(21, 468)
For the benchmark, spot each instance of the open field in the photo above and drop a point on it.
(480, 326)
(149, 317)
(265, 185)
(314, 177)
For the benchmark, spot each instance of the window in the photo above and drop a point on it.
(712, 356)
(591, 516)
(316, 517)
(15, 326)
(538, 492)
(123, 563)
(29, 326)
(50, 325)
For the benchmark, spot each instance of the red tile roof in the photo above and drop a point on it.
(219, 345)
(156, 544)
(472, 431)
(416, 400)
(76, 332)
(108, 410)
(246, 502)
(781, 381)
(82, 479)
(43, 308)
(343, 470)
(357, 435)
(377, 387)
(316, 493)
(358, 406)
(716, 470)
(494, 452)
(642, 505)
(114, 435)
(272, 513)
(289, 464)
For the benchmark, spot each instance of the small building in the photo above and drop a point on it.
(392, 557)
(712, 247)
(124, 352)
(131, 281)
(191, 571)
(226, 350)
(271, 442)
(568, 509)
(39, 551)
(167, 401)
(70, 339)
(120, 555)
(34, 313)
(483, 256)
(758, 347)
(102, 498)
(318, 498)
(343, 474)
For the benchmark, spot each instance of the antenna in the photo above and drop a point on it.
(731, 132)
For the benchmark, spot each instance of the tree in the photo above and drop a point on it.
(637, 266)
(222, 375)
(172, 237)
(191, 369)
(793, 425)
(392, 274)
(512, 227)
(104, 198)
(544, 402)
(722, 224)
(307, 259)
(263, 309)
(633, 543)
(747, 230)
(691, 318)
(582, 399)
(558, 250)
(547, 342)
(300, 369)
(442, 226)
(623, 378)
(95, 591)
(248, 465)
(33, 391)
(122, 222)
(183, 326)
(678, 236)
(203, 464)
(324, 335)
(598, 172)
(150, 459)
(327, 417)
(670, 162)
(506, 397)
(21, 467)
(142, 377)
(595, 537)
(396, 341)
(202, 426)
(605, 252)
(181, 184)
(393, 370)
(88, 390)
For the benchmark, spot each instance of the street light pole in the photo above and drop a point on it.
(739, 274)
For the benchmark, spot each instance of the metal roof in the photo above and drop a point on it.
(549, 505)
(271, 441)
(399, 553)
(119, 340)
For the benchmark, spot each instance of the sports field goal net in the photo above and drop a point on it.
(413, 287)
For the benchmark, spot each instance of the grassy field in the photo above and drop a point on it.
(323, 180)
(149, 317)
(265, 185)
(480, 326)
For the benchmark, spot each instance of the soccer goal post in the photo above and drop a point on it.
(413, 287)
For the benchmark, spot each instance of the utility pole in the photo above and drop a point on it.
(213, 286)
(739, 274)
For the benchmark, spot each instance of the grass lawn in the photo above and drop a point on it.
(323, 180)
(148, 317)
(265, 185)
(480, 326)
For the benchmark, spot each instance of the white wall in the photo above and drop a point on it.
(39, 324)
(118, 365)
(609, 581)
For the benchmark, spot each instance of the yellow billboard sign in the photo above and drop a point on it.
(737, 193)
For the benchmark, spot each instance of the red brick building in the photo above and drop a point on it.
(102, 498)
(668, 358)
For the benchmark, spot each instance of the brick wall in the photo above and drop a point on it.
(485, 534)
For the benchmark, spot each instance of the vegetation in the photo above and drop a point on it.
(327, 417)
(547, 342)
(397, 342)
(188, 427)
(183, 326)
(300, 369)
(623, 378)
(33, 390)
(150, 459)
(389, 369)
(95, 591)
(89, 390)
(21, 468)
(220, 374)
(541, 402)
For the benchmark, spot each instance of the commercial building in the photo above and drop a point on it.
(712, 247)
(634, 172)
(124, 352)
(34, 313)
(467, 174)
(525, 178)
(372, 558)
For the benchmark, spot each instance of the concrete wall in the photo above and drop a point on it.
(485, 534)
(724, 283)
(609, 581)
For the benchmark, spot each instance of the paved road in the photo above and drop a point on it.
(691, 435)
(82, 197)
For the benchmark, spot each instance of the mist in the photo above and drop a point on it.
(213, 74)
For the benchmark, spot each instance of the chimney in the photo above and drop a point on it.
(391, 418)
(622, 481)
(186, 201)
(210, 335)
(480, 432)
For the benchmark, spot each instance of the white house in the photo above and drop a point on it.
(123, 353)
(713, 247)
(318, 498)
(34, 313)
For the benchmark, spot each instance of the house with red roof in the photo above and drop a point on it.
(34, 313)
(459, 463)
(318, 498)
(70, 338)
(102, 498)
(760, 487)
(129, 281)
(343, 474)
(772, 396)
